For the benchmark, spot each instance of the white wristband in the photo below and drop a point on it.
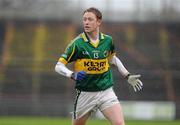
(116, 61)
(63, 70)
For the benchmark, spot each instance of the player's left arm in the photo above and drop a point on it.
(132, 79)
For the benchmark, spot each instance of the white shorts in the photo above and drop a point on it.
(86, 102)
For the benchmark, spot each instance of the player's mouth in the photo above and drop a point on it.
(86, 27)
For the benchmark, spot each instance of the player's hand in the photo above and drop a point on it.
(135, 82)
(78, 76)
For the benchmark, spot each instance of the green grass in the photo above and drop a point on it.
(64, 121)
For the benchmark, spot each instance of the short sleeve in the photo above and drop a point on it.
(69, 52)
(112, 50)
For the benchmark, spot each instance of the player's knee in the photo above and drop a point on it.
(118, 122)
(78, 123)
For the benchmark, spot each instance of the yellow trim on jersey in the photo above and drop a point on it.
(111, 55)
(102, 36)
(92, 66)
(84, 37)
(62, 60)
(95, 44)
(71, 53)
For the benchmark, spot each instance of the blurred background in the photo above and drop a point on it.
(33, 34)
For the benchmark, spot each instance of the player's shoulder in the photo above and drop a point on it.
(107, 36)
(75, 40)
(79, 38)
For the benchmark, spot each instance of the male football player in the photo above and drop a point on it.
(92, 53)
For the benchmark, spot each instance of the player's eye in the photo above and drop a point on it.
(90, 19)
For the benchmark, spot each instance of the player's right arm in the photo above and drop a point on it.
(66, 57)
(63, 70)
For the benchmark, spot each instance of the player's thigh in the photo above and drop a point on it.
(82, 120)
(84, 104)
(114, 114)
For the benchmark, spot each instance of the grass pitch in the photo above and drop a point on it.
(65, 121)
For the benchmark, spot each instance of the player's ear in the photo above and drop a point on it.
(99, 22)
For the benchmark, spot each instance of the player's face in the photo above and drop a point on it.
(90, 22)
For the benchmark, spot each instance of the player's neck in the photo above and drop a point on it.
(94, 35)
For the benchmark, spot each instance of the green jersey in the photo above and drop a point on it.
(91, 58)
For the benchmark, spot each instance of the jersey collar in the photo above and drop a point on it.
(86, 38)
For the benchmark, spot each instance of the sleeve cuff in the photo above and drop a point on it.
(62, 60)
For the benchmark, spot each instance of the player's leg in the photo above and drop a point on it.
(114, 114)
(84, 105)
(111, 107)
(82, 120)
